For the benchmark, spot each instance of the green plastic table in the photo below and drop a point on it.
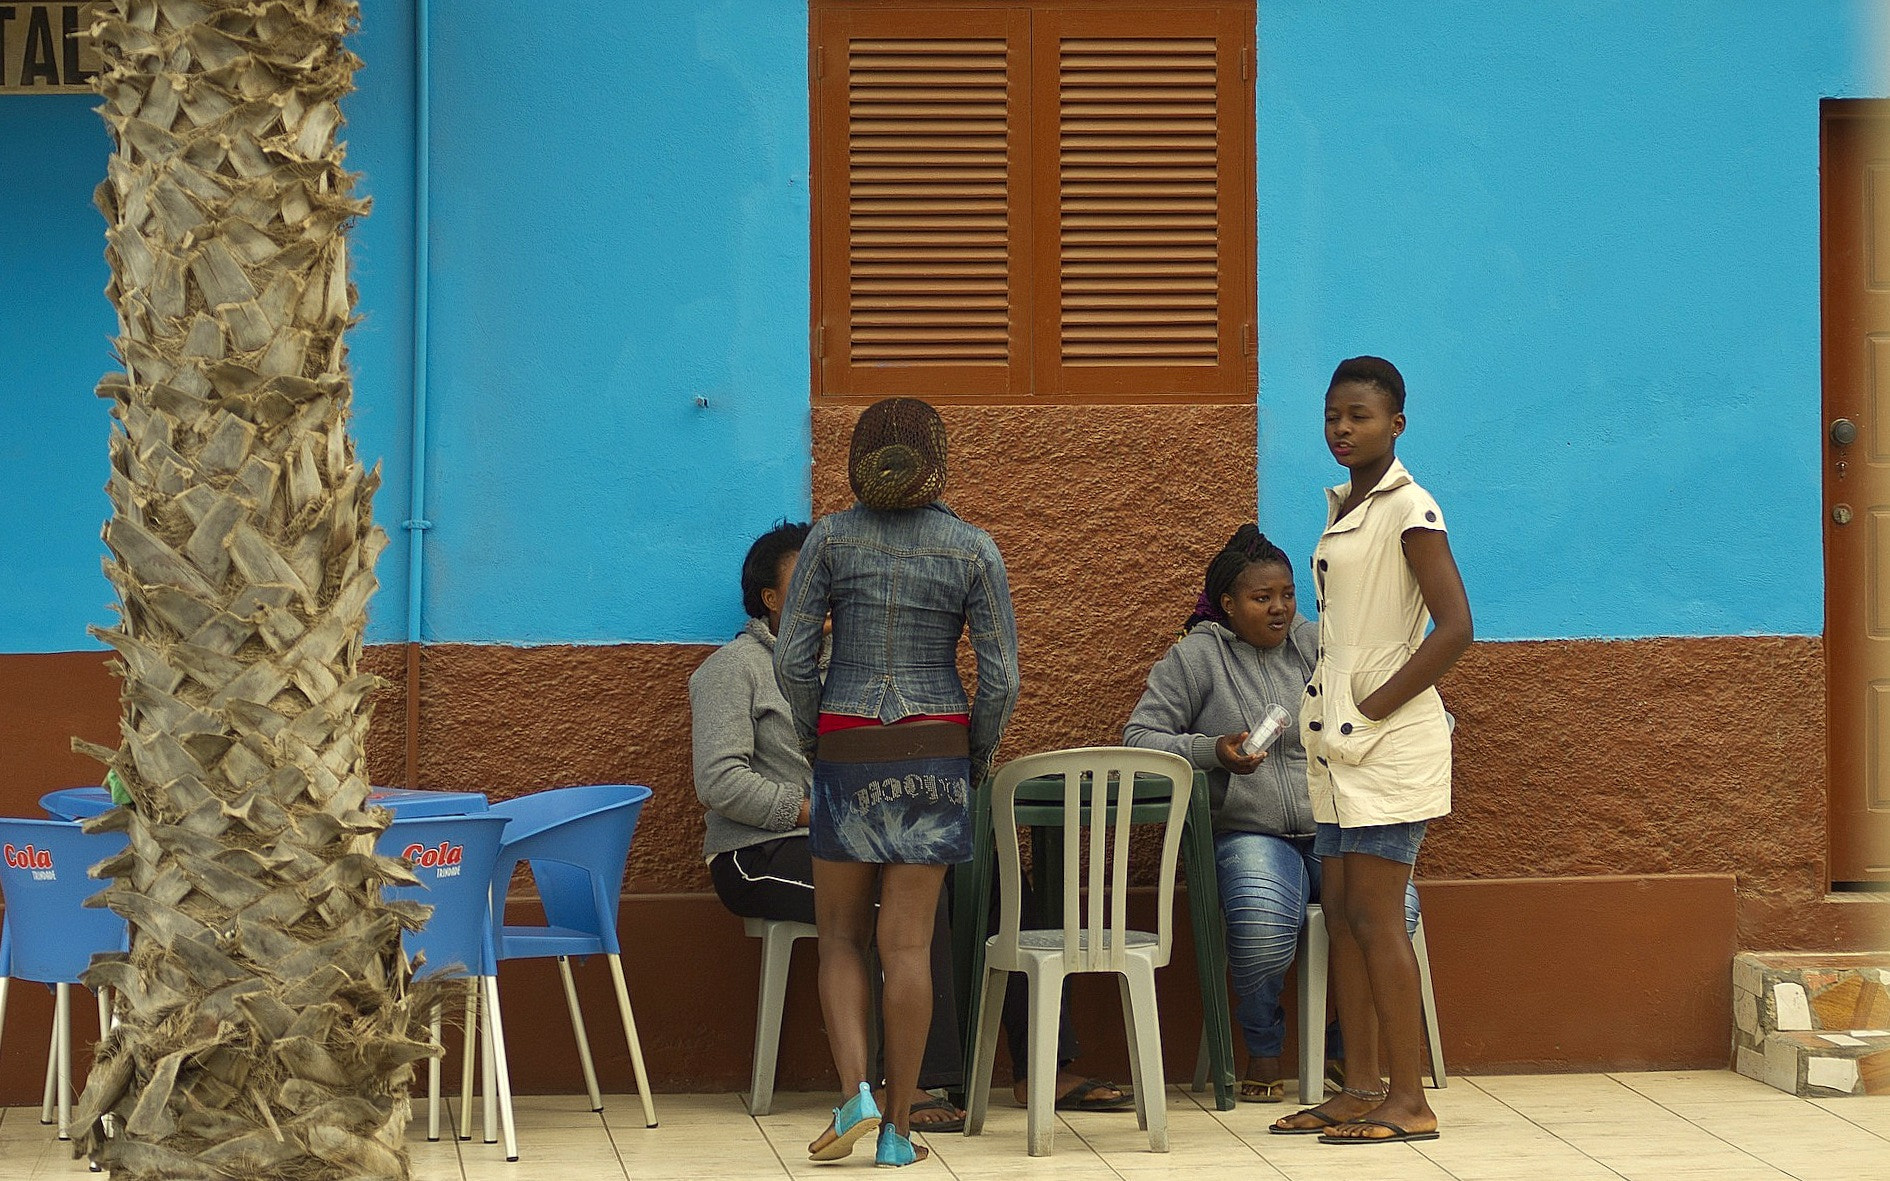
(1040, 806)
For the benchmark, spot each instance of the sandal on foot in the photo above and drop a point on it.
(1278, 1127)
(896, 1151)
(851, 1120)
(1398, 1134)
(1253, 1090)
(1082, 1097)
(954, 1120)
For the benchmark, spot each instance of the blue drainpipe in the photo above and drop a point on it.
(417, 523)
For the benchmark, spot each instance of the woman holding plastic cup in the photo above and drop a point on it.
(1217, 699)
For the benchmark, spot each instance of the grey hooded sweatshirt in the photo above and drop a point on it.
(1213, 683)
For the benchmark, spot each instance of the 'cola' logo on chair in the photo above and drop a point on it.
(38, 860)
(445, 859)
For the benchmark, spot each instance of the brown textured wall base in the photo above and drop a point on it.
(1530, 974)
(1575, 759)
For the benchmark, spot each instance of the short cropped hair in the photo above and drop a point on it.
(762, 566)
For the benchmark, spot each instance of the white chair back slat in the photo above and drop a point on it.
(1097, 803)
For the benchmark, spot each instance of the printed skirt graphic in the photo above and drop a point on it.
(901, 812)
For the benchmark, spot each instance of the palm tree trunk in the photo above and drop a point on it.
(267, 1026)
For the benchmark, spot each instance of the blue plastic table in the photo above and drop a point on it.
(78, 803)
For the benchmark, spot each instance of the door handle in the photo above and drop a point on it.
(1844, 432)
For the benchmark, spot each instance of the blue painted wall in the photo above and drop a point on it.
(55, 343)
(56, 328)
(620, 227)
(1588, 236)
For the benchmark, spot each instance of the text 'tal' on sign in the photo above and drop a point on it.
(46, 48)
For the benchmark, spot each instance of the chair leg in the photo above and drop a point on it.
(63, 1015)
(1131, 1031)
(489, 1119)
(105, 1022)
(1312, 1007)
(435, 1068)
(1201, 1062)
(630, 1034)
(1144, 1020)
(496, 1024)
(1439, 1077)
(1040, 1122)
(987, 1016)
(583, 1041)
(466, 1068)
(49, 1101)
(777, 953)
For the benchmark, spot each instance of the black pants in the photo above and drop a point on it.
(775, 880)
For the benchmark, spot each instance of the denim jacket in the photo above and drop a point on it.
(902, 587)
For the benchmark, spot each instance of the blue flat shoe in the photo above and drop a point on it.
(895, 1151)
(851, 1120)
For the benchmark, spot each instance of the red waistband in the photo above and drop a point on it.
(830, 722)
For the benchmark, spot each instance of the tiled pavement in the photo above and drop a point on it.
(1670, 1126)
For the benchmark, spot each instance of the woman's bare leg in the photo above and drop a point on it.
(1374, 910)
(908, 900)
(843, 911)
(1351, 986)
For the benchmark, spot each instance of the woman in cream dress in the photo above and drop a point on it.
(1379, 745)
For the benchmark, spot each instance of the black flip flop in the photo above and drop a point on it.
(940, 1127)
(1077, 1098)
(1398, 1134)
(1325, 1121)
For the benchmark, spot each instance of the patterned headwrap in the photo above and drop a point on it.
(897, 460)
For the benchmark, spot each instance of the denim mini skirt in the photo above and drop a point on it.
(1393, 842)
(893, 795)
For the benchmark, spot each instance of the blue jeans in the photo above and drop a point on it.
(1266, 883)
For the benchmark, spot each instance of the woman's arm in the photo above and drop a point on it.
(797, 648)
(993, 630)
(722, 740)
(1428, 552)
(1168, 717)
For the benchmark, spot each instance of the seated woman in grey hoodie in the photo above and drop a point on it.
(1247, 647)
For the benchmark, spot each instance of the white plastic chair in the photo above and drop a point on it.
(1094, 936)
(1312, 1005)
(1311, 959)
(777, 951)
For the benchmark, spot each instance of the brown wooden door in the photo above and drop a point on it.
(1856, 186)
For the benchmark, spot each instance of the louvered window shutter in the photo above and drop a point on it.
(923, 214)
(1143, 203)
(1051, 202)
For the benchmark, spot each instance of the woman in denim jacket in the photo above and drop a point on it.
(895, 742)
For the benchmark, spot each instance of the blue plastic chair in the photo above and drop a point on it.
(49, 935)
(453, 858)
(577, 842)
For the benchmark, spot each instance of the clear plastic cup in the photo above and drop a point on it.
(1267, 730)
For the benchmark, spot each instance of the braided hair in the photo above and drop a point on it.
(1247, 547)
(897, 460)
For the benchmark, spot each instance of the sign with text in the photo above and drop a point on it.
(45, 49)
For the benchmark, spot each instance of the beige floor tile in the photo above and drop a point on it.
(1663, 1126)
(1871, 1112)
(1382, 1162)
